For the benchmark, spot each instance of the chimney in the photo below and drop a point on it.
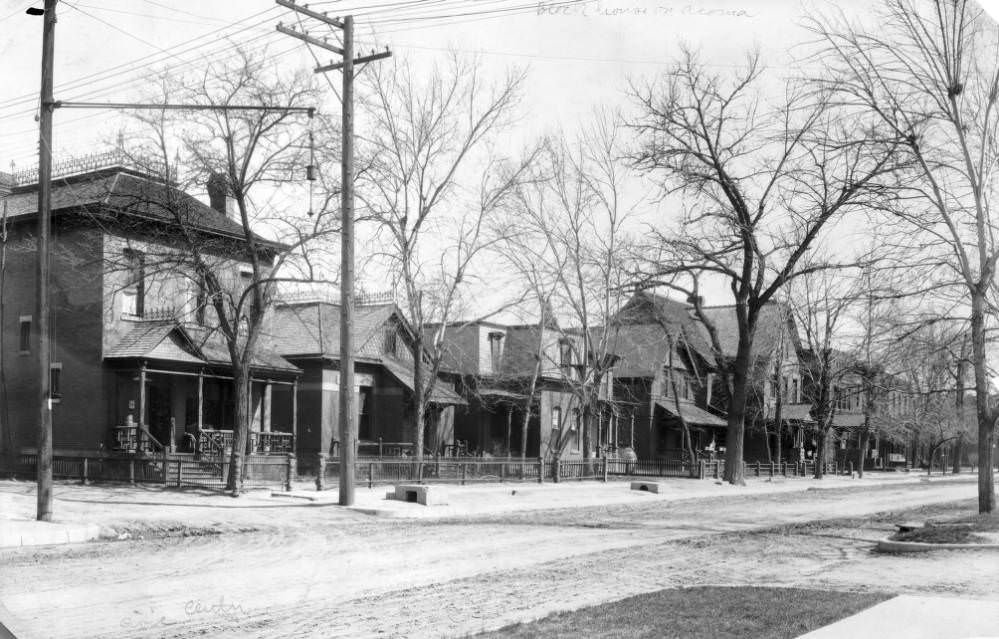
(219, 195)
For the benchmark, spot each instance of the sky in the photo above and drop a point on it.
(580, 54)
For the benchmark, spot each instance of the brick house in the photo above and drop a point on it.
(307, 334)
(136, 362)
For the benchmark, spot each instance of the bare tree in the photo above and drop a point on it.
(928, 72)
(429, 136)
(820, 303)
(251, 156)
(572, 219)
(760, 184)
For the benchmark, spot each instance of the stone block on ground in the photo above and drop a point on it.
(421, 494)
(646, 486)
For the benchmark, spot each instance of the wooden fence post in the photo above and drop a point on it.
(419, 472)
(292, 470)
(541, 470)
(321, 471)
(371, 474)
(502, 472)
(166, 463)
(180, 470)
(131, 471)
(757, 468)
(605, 469)
(771, 469)
(702, 470)
(84, 471)
(462, 468)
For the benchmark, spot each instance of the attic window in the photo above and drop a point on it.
(390, 340)
(496, 349)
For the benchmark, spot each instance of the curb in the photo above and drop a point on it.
(49, 536)
(887, 545)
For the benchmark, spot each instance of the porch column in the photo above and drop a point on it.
(201, 411)
(509, 428)
(141, 417)
(294, 416)
(266, 417)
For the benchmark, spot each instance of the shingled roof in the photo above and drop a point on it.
(768, 329)
(313, 329)
(119, 191)
(664, 314)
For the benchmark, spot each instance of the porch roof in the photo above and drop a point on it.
(169, 341)
(404, 373)
(796, 412)
(691, 413)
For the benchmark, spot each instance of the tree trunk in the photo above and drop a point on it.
(419, 404)
(958, 451)
(986, 430)
(865, 437)
(737, 412)
(240, 430)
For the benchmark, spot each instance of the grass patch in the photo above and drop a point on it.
(717, 612)
(954, 530)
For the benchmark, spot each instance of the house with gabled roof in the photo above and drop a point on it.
(307, 334)
(518, 380)
(663, 380)
(778, 380)
(137, 361)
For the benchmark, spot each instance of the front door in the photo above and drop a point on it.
(159, 412)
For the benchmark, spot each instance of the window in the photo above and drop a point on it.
(576, 427)
(201, 302)
(795, 391)
(556, 417)
(390, 340)
(364, 413)
(495, 350)
(246, 279)
(24, 343)
(565, 357)
(55, 381)
(135, 284)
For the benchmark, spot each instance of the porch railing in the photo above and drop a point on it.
(134, 439)
(218, 442)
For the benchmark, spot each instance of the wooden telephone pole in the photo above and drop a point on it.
(348, 413)
(41, 323)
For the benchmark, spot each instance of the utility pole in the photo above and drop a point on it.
(348, 413)
(44, 455)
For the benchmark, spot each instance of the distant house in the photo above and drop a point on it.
(307, 334)
(663, 378)
(137, 364)
(493, 366)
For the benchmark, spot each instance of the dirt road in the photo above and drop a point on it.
(320, 572)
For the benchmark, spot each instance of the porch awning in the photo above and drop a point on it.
(848, 420)
(169, 341)
(404, 374)
(691, 413)
(796, 412)
(499, 393)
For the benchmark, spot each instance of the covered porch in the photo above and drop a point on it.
(173, 394)
(707, 431)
